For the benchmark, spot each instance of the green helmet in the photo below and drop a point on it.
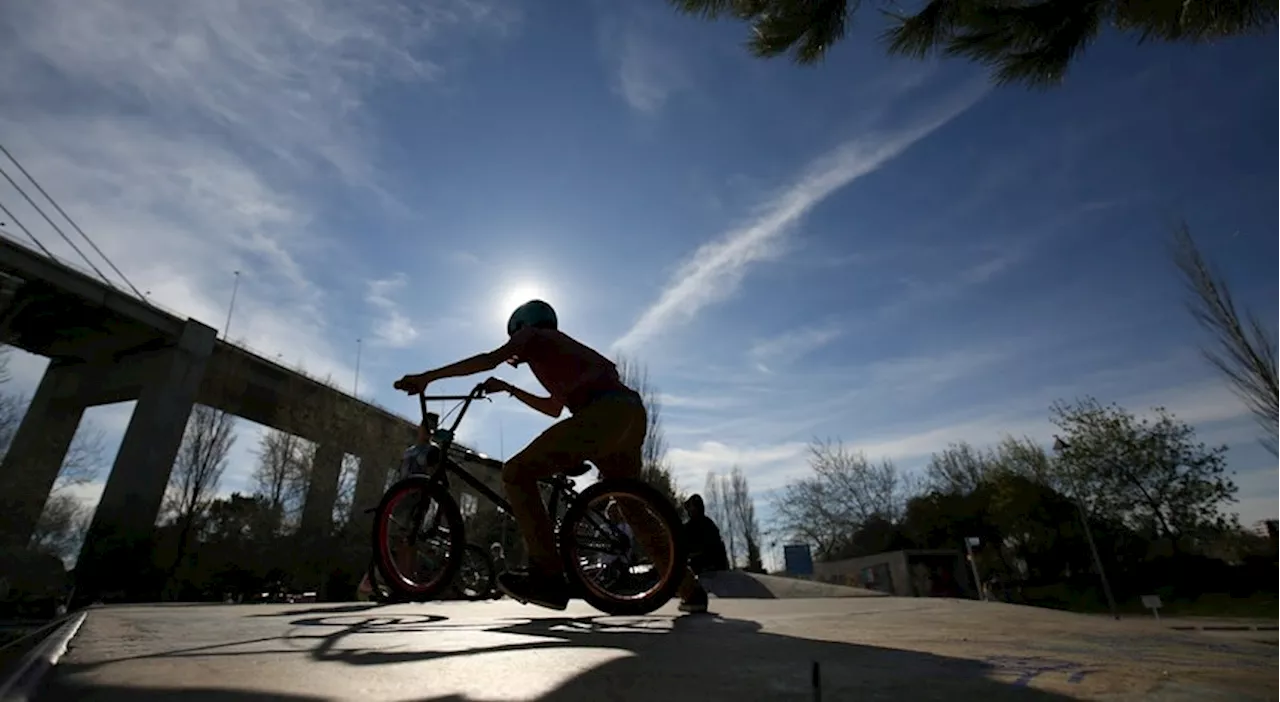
(534, 313)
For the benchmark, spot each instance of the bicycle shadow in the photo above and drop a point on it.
(335, 609)
(695, 657)
(684, 658)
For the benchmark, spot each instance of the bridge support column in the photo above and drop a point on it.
(370, 482)
(117, 553)
(36, 454)
(322, 492)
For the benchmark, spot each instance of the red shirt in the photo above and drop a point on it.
(570, 370)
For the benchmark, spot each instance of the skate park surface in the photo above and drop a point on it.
(781, 648)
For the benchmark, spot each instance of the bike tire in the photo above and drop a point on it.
(665, 511)
(448, 514)
(379, 592)
(480, 558)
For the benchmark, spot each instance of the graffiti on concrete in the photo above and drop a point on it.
(1024, 669)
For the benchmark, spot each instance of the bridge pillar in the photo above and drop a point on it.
(117, 552)
(370, 482)
(322, 492)
(36, 454)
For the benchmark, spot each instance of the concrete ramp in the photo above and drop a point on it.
(741, 585)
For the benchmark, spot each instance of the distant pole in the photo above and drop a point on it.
(234, 289)
(1059, 446)
(973, 566)
(355, 390)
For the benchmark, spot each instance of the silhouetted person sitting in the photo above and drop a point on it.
(706, 547)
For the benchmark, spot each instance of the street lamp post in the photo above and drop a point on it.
(355, 390)
(969, 543)
(235, 288)
(1059, 446)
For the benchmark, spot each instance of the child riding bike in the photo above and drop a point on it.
(607, 427)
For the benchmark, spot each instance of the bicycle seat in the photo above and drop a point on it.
(580, 469)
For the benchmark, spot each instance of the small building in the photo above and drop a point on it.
(908, 573)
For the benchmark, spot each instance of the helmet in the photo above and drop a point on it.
(534, 313)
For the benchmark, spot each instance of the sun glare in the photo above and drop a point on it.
(519, 294)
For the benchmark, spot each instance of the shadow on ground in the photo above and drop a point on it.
(334, 609)
(687, 658)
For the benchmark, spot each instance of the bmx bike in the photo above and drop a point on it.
(603, 563)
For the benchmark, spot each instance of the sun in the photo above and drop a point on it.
(517, 295)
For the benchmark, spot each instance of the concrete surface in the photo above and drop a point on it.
(881, 648)
(739, 584)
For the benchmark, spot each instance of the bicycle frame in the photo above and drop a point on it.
(560, 486)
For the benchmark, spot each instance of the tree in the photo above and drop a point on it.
(1026, 41)
(201, 460)
(64, 520)
(844, 491)
(654, 467)
(718, 500)
(958, 469)
(740, 503)
(1244, 352)
(1150, 475)
(280, 476)
(343, 503)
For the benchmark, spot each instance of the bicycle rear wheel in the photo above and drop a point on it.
(608, 558)
(418, 539)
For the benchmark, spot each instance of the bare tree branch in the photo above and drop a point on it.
(654, 467)
(719, 508)
(201, 460)
(844, 491)
(281, 474)
(346, 491)
(744, 518)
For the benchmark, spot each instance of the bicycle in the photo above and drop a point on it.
(476, 578)
(436, 519)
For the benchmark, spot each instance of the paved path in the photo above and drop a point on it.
(868, 648)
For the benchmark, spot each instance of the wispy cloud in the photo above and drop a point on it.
(761, 463)
(792, 345)
(647, 74)
(189, 140)
(392, 328)
(716, 269)
(646, 67)
(692, 401)
(287, 77)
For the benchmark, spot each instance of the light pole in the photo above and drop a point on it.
(969, 543)
(235, 287)
(1058, 447)
(355, 390)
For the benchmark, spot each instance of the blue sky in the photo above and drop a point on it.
(890, 252)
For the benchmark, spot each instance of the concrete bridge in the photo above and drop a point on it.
(106, 346)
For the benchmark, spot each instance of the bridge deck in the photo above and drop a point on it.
(868, 649)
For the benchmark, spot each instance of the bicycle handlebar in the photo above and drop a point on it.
(477, 393)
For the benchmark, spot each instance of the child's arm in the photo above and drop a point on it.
(478, 363)
(546, 405)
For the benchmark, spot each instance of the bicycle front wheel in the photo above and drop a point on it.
(418, 539)
(622, 547)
